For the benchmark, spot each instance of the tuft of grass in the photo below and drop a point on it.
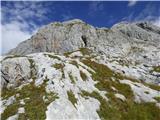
(72, 79)
(12, 56)
(73, 62)
(71, 97)
(83, 75)
(58, 66)
(32, 68)
(10, 110)
(52, 56)
(6, 93)
(68, 53)
(152, 86)
(157, 98)
(156, 69)
(85, 51)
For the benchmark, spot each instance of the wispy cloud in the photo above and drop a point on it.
(95, 6)
(149, 13)
(157, 22)
(19, 21)
(132, 3)
(12, 34)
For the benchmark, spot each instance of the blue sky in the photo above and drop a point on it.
(22, 19)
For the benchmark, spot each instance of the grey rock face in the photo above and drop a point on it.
(138, 42)
(15, 71)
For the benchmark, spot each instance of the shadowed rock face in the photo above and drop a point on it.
(138, 42)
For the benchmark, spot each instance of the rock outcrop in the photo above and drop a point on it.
(77, 85)
(136, 42)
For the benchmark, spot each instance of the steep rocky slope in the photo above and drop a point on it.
(72, 70)
(131, 44)
(76, 85)
(136, 42)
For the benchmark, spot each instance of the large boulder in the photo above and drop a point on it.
(15, 71)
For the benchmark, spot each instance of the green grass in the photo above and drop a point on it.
(35, 107)
(152, 86)
(58, 66)
(71, 97)
(156, 69)
(157, 98)
(10, 110)
(104, 77)
(12, 56)
(52, 56)
(116, 109)
(68, 53)
(83, 75)
(32, 68)
(85, 51)
(72, 79)
(73, 62)
(6, 93)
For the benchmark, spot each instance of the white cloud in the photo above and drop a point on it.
(157, 22)
(132, 3)
(12, 34)
(18, 22)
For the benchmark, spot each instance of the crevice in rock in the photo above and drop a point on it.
(84, 38)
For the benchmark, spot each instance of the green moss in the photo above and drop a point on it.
(83, 75)
(71, 97)
(72, 79)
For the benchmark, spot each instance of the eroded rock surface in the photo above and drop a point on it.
(135, 42)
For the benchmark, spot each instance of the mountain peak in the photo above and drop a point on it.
(73, 21)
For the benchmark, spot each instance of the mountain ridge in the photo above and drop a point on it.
(71, 35)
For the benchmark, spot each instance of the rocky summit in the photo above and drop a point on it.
(74, 71)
